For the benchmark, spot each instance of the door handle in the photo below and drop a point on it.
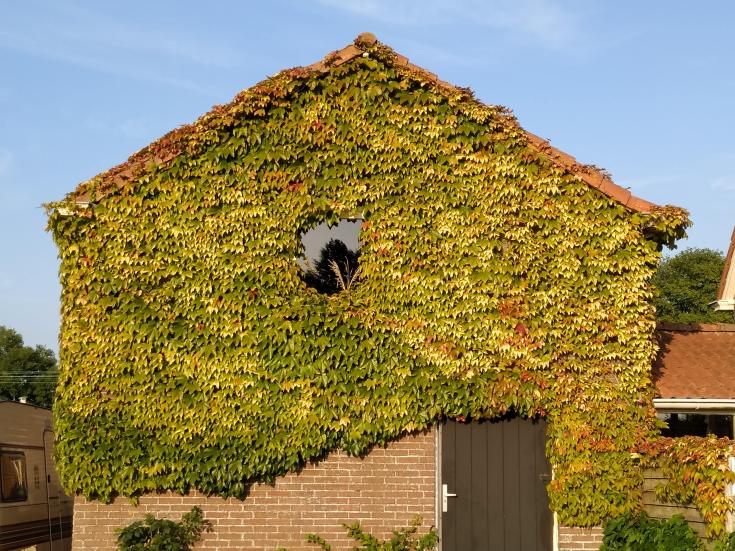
(445, 495)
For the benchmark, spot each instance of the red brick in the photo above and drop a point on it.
(319, 499)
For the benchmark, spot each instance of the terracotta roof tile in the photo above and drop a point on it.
(169, 146)
(695, 361)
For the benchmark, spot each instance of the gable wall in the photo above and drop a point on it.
(193, 357)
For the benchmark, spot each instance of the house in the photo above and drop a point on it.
(726, 291)
(693, 374)
(695, 395)
(693, 371)
(490, 366)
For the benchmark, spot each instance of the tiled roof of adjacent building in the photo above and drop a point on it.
(169, 146)
(695, 361)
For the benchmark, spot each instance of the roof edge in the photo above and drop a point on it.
(706, 404)
(165, 148)
(695, 327)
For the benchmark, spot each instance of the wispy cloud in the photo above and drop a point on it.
(723, 183)
(6, 159)
(76, 36)
(5, 281)
(441, 55)
(545, 21)
(137, 128)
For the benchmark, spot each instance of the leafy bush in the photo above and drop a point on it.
(154, 534)
(405, 539)
(727, 543)
(631, 532)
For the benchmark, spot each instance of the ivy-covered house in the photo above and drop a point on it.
(487, 364)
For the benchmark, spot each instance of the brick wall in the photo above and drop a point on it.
(384, 491)
(580, 539)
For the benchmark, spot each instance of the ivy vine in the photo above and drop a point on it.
(698, 473)
(194, 356)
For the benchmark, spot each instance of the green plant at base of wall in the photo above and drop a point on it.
(154, 534)
(639, 532)
(405, 539)
(193, 356)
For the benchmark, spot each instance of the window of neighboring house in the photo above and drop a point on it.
(696, 424)
(331, 256)
(13, 476)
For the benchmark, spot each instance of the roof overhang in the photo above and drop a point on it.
(724, 406)
(724, 304)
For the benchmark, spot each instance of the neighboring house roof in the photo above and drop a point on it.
(172, 144)
(726, 292)
(695, 361)
(14, 403)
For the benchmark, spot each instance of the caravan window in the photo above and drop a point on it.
(13, 475)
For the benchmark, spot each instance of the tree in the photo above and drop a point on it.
(26, 371)
(686, 283)
(336, 270)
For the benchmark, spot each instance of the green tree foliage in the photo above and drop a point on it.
(687, 282)
(25, 371)
(336, 270)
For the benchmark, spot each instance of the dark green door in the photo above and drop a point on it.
(494, 477)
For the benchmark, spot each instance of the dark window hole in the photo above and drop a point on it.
(331, 262)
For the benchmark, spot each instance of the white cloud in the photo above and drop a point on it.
(420, 50)
(80, 37)
(108, 32)
(5, 281)
(544, 21)
(6, 159)
(136, 128)
(724, 183)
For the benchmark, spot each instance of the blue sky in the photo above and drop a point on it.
(644, 89)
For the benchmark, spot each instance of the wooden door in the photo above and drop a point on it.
(498, 473)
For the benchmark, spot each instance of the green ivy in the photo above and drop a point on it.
(492, 280)
(698, 472)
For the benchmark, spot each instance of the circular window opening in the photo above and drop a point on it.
(331, 262)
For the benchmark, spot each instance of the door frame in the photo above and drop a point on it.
(438, 493)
